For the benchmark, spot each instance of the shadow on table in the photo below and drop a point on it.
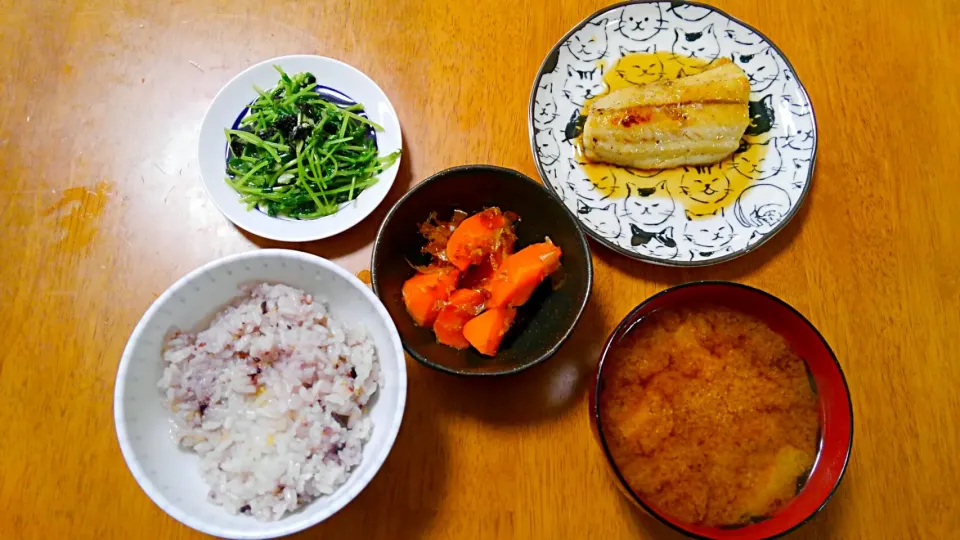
(400, 501)
(734, 270)
(645, 525)
(355, 238)
(539, 393)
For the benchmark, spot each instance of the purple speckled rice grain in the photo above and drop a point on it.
(271, 397)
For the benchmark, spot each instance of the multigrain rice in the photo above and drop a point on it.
(272, 397)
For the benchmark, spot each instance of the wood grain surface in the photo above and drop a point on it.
(101, 209)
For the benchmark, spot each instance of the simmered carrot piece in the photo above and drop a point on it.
(425, 293)
(437, 233)
(478, 236)
(485, 331)
(480, 276)
(467, 300)
(463, 305)
(522, 272)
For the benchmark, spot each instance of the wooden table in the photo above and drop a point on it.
(102, 208)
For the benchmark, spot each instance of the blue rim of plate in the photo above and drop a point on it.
(550, 63)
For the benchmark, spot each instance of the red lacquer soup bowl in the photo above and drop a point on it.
(836, 412)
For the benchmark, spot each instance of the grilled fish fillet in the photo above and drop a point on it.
(693, 120)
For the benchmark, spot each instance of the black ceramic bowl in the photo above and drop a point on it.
(543, 323)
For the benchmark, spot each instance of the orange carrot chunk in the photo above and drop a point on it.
(485, 331)
(467, 300)
(480, 276)
(425, 294)
(522, 273)
(477, 237)
(463, 305)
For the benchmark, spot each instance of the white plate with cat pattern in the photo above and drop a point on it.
(694, 216)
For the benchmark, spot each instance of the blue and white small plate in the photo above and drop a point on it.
(678, 217)
(338, 82)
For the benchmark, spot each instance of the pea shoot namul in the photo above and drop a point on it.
(301, 156)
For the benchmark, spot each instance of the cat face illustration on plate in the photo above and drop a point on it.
(762, 206)
(545, 107)
(640, 22)
(701, 44)
(583, 84)
(656, 244)
(686, 12)
(547, 147)
(741, 39)
(801, 169)
(552, 178)
(705, 185)
(648, 207)
(707, 233)
(603, 221)
(590, 42)
(763, 167)
(791, 99)
(640, 69)
(579, 184)
(764, 120)
(761, 68)
(799, 138)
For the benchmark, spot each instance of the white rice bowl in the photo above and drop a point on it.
(273, 451)
(271, 397)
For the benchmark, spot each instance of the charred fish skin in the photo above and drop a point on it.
(695, 120)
